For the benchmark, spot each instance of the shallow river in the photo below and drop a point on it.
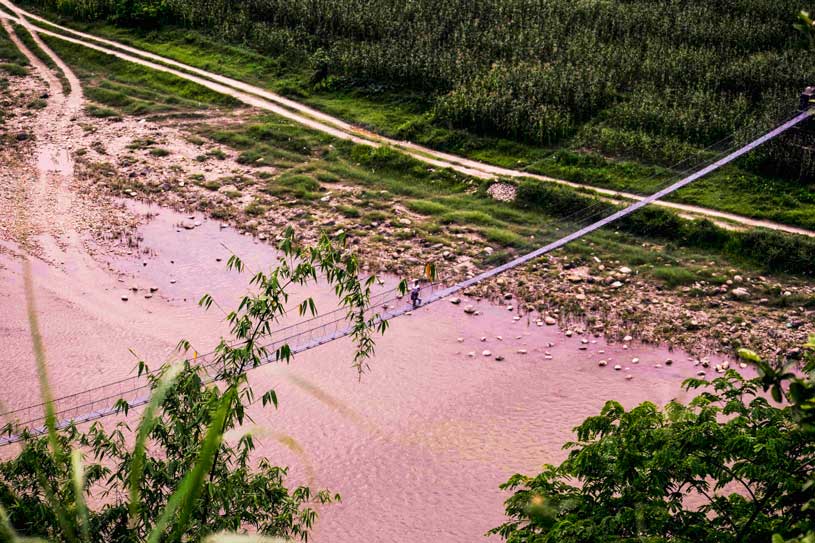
(417, 447)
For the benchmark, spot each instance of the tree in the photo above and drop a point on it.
(731, 465)
(182, 480)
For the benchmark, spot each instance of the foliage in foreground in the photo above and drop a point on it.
(191, 472)
(731, 466)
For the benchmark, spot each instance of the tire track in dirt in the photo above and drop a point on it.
(328, 124)
(49, 243)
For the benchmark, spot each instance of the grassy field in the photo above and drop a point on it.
(12, 61)
(632, 144)
(117, 88)
(26, 38)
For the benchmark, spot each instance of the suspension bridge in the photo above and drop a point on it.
(110, 398)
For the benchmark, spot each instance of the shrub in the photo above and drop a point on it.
(426, 207)
(675, 277)
(770, 250)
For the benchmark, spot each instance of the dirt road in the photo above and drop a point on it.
(317, 120)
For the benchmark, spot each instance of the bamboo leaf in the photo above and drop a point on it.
(145, 427)
(183, 499)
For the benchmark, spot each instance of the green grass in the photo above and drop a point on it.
(13, 69)
(28, 40)
(10, 55)
(674, 277)
(125, 88)
(425, 207)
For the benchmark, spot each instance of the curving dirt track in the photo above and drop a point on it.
(317, 120)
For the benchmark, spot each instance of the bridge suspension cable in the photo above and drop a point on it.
(100, 401)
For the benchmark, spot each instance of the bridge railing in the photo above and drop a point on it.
(100, 401)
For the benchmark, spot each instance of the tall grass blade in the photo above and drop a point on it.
(146, 426)
(39, 356)
(78, 472)
(7, 532)
(183, 499)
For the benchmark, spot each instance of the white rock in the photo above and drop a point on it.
(469, 310)
(617, 367)
(602, 363)
(740, 293)
(635, 360)
(625, 270)
(455, 301)
(521, 351)
(550, 320)
(628, 338)
(616, 285)
(486, 353)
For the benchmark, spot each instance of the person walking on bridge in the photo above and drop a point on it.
(414, 294)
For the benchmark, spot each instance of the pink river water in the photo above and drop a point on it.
(417, 447)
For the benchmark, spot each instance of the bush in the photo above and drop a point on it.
(728, 467)
(773, 251)
(675, 277)
(426, 207)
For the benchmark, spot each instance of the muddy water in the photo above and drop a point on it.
(417, 447)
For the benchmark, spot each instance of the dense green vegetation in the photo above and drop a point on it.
(733, 465)
(531, 70)
(775, 252)
(191, 471)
